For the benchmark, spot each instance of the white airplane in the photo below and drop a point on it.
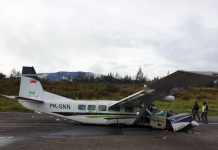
(122, 112)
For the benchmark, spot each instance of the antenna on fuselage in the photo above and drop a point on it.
(75, 97)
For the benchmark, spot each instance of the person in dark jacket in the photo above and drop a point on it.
(195, 111)
(204, 112)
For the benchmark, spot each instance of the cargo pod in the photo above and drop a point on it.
(180, 121)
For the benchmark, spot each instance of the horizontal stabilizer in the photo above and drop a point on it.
(29, 99)
(21, 98)
(11, 97)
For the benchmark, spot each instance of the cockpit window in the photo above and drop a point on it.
(129, 109)
(116, 108)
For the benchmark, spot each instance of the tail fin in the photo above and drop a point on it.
(30, 87)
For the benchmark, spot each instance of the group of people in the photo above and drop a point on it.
(203, 114)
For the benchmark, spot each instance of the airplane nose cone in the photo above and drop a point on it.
(194, 124)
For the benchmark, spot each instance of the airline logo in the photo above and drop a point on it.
(31, 92)
(33, 89)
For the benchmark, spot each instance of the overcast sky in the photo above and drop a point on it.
(102, 36)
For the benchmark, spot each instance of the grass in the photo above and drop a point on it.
(12, 105)
(185, 101)
(105, 91)
(182, 106)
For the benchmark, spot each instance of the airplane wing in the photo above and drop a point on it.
(169, 85)
(163, 88)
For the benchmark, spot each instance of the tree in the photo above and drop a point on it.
(2, 76)
(127, 79)
(110, 77)
(18, 75)
(15, 74)
(139, 76)
(118, 78)
(91, 78)
(81, 77)
(155, 79)
(69, 78)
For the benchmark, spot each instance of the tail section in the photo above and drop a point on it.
(30, 87)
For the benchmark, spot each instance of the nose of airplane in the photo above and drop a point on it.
(194, 124)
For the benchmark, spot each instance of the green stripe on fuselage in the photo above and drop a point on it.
(110, 116)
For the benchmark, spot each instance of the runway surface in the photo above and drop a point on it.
(39, 131)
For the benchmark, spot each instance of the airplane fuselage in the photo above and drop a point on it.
(90, 112)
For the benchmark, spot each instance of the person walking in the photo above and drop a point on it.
(195, 111)
(204, 112)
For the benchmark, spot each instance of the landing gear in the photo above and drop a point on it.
(120, 125)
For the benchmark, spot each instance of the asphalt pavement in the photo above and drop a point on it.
(40, 131)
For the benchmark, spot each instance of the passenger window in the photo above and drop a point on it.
(102, 108)
(82, 107)
(116, 108)
(129, 109)
(91, 107)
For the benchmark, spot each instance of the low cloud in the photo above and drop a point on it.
(102, 37)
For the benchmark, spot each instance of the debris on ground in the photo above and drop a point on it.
(165, 137)
(192, 132)
(189, 132)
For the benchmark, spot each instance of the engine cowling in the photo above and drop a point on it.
(167, 99)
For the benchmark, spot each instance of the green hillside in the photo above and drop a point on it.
(105, 91)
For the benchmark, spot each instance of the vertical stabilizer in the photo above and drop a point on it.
(30, 87)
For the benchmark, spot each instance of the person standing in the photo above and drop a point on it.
(195, 111)
(204, 112)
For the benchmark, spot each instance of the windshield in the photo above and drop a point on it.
(161, 113)
(158, 112)
(154, 110)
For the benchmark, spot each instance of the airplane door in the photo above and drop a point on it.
(158, 120)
